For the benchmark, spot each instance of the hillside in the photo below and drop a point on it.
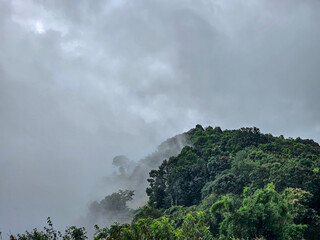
(231, 184)
(130, 174)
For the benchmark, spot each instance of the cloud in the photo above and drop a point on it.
(82, 82)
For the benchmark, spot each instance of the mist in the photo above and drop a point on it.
(129, 175)
(82, 82)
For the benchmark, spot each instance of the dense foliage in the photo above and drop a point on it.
(222, 164)
(232, 184)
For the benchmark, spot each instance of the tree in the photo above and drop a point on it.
(265, 213)
(49, 233)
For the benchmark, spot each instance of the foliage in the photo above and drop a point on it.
(225, 163)
(265, 213)
(147, 212)
(193, 227)
(112, 208)
(114, 202)
(49, 233)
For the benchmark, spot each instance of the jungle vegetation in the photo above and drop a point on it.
(228, 184)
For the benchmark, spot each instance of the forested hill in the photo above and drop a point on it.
(231, 184)
(248, 184)
(223, 162)
(237, 183)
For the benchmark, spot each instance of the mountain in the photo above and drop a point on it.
(223, 184)
(235, 183)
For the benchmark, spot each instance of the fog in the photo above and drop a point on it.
(132, 176)
(84, 81)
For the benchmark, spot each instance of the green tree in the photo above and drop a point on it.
(265, 213)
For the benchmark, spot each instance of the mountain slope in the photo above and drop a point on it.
(231, 184)
(226, 164)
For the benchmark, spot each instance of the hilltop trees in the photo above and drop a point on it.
(225, 163)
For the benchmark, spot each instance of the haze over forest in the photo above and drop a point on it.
(82, 82)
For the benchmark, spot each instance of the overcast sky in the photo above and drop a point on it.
(83, 81)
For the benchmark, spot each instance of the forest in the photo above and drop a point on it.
(225, 184)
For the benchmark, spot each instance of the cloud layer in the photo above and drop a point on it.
(83, 81)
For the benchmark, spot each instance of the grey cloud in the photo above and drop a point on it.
(82, 82)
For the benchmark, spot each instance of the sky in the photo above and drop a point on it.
(84, 81)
